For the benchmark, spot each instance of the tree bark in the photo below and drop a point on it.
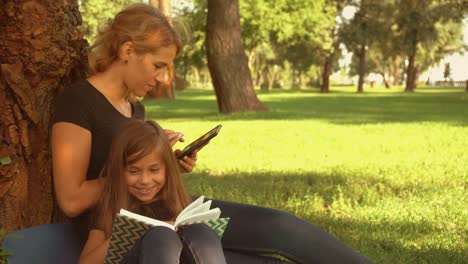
(362, 68)
(387, 85)
(327, 67)
(266, 82)
(41, 50)
(411, 70)
(410, 74)
(227, 61)
(396, 71)
(325, 87)
(329, 60)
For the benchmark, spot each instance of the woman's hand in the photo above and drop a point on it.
(188, 162)
(173, 136)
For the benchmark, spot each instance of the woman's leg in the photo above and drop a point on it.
(159, 245)
(263, 230)
(201, 245)
(233, 257)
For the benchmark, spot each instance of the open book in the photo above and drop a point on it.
(129, 227)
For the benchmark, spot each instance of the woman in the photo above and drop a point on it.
(130, 56)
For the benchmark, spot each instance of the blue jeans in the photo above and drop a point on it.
(195, 244)
(254, 230)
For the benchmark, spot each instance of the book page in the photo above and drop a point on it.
(191, 206)
(148, 220)
(205, 216)
(199, 209)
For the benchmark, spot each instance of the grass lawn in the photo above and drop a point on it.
(384, 171)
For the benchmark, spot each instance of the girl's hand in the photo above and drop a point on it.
(188, 162)
(173, 136)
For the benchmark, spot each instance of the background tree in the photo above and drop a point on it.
(227, 62)
(334, 8)
(447, 72)
(449, 40)
(40, 52)
(368, 25)
(417, 22)
(191, 21)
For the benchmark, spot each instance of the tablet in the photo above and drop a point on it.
(199, 142)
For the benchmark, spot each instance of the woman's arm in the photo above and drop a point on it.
(71, 150)
(95, 249)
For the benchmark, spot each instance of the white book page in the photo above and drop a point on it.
(148, 220)
(212, 214)
(191, 206)
(197, 210)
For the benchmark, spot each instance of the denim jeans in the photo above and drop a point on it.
(254, 230)
(195, 244)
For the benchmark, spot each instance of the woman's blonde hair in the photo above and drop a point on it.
(145, 26)
(135, 140)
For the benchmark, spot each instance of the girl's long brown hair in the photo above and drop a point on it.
(135, 140)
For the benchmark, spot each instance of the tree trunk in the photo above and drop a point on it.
(40, 51)
(163, 5)
(325, 87)
(266, 83)
(396, 71)
(295, 81)
(411, 70)
(410, 74)
(362, 68)
(272, 77)
(258, 79)
(386, 83)
(227, 61)
(163, 90)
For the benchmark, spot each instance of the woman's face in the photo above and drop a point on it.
(146, 70)
(146, 177)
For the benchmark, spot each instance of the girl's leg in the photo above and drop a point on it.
(201, 245)
(263, 230)
(158, 245)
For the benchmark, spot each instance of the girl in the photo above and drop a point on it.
(141, 175)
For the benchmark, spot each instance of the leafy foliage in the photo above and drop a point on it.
(97, 12)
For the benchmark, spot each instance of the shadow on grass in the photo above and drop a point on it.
(337, 108)
(272, 188)
(383, 241)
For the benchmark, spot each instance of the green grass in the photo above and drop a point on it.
(385, 171)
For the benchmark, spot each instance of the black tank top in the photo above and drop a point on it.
(83, 105)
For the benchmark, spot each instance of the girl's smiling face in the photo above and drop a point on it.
(146, 177)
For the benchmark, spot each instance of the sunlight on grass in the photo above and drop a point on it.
(384, 171)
